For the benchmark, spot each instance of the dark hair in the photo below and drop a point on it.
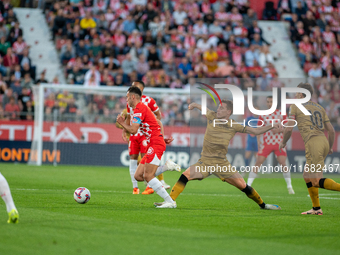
(141, 82)
(307, 86)
(229, 104)
(135, 90)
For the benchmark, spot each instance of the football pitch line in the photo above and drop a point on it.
(323, 196)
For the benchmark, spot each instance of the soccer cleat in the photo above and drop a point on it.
(135, 191)
(13, 216)
(165, 185)
(272, 207)
(167, 205)
(291, 191)
(148, 191)
(172, 166)
(313, 212)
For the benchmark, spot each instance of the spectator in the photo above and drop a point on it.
(12, 109)
(300, 10)
(251, 55)
(6, 98)
(179, 15)
(59, 26)
(215, 29)
(153, 58)
(87, 22)
(284, 6)
(27, 82)
(15, 85)
(269, 13)
(100, 6)
(225, 69)
(142, 66)
(170, 69)
(4, 45)
(184, 67)
(10, 59)
(309, 22)
(200, 28)
(210, 59)
(305, 50)
(81, 49)
(249, 18)
(265, 57)
(129, 25)
(3, 30)
(167, 53)
(19, 46)
(92, 78)
(128, 64)
(42, 78)
(67, 51)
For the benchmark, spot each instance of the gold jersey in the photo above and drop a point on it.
(216, 139)
(309, 125)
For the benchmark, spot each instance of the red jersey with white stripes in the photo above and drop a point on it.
(269, 138)
(149, 102)
(148, 122)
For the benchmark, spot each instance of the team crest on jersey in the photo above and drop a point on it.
(145, 143)
(150, 151)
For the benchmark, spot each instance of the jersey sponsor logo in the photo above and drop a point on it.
(150, 151)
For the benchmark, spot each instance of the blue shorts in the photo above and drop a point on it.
(251, 144)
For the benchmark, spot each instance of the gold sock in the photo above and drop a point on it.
(160, 177)
(329, 184)
(178, 187)
(252, 194)
(314, 196)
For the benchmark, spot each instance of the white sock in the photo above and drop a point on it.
(161, 169)
(133, 168)
(251, 178)
(157, 186)
(5, 193)
(288, 179)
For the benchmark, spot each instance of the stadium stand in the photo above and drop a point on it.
(168, 43)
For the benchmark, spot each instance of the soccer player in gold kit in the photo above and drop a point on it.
(317, 146)
(214, 154)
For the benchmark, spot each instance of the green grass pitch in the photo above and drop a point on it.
(212, 217)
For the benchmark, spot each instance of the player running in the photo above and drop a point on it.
(5, 192)
(317, 146)
(138, 143)
(213, 157)
(144, 119)
(269, 142)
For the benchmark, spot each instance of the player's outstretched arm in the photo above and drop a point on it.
(331, 135)
(195, 105)
(259, 130)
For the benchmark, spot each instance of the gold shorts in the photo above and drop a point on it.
(206, 167)
(317, 148)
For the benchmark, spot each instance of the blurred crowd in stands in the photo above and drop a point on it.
(17, 73)
(170, 43)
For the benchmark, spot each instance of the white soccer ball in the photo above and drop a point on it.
(82, 195)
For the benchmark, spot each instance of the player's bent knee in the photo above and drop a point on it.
(139, 177)
(315, 182)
